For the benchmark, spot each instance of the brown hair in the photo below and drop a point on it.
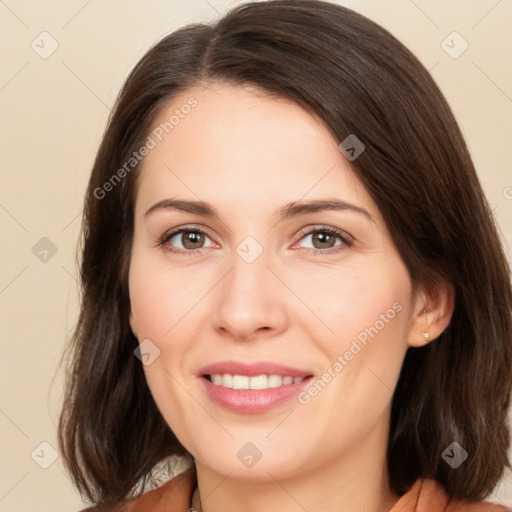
(359, 80)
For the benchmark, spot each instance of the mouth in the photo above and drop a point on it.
(252, 388)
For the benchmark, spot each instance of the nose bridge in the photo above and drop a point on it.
(248, 301)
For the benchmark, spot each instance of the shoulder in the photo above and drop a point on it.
(177, 491)
(427, 495)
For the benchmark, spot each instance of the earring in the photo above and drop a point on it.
(425, 335)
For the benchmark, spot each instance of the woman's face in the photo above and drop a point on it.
(248, 282)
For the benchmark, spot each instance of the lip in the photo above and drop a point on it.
(252, 401)
(252, 369)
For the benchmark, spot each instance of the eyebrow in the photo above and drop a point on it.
(287, 211)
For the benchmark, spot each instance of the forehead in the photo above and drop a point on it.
(238, 143)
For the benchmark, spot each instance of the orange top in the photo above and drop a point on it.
(176, 496)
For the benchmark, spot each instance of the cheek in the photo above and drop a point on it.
(155, 313)
(367, 311)
(159, 297)
(357, 298)
(160, 300)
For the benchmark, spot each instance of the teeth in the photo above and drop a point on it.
(240, 382)
(217, 379)
(227, 380)
(257, 382)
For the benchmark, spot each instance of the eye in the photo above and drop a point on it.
(190, 240)
(326, 240)
(187, 240)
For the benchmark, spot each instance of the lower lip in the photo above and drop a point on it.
(252, 401)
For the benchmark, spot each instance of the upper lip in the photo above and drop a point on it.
(252, 369)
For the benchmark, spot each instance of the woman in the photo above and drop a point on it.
(292, 277)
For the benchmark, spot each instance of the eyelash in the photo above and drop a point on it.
(346, 240)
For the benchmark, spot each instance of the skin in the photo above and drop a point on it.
(248, 154)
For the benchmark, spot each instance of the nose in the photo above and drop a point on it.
(250, 301)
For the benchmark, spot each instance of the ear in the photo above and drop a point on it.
(432, 313)
(132, 325)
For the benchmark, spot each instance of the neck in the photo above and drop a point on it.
(357, 480)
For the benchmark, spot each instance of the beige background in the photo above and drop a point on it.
(53, 114)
